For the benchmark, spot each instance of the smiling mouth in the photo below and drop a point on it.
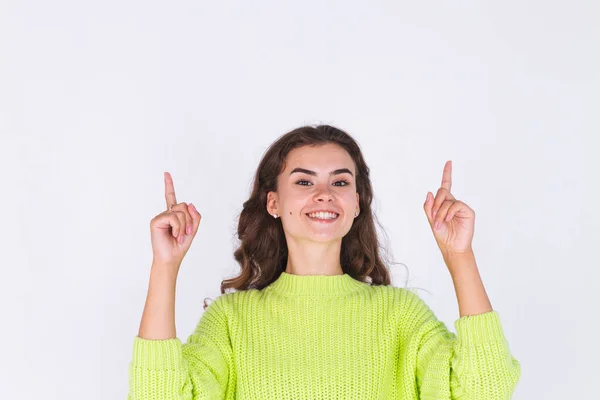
(322, 219)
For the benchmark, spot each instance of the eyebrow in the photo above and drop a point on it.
(313, 173)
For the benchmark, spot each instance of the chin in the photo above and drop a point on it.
(327, 236)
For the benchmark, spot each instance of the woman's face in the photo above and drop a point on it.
(316, 178)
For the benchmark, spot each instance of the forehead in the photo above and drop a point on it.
(323, 156)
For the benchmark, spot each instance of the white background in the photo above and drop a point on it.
(98, 99)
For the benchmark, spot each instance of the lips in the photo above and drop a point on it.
(325, 211)
(323, 220)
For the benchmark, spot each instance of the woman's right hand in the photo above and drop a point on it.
(172, 232)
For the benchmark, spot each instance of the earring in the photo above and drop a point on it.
(356, 213)
(275, 215)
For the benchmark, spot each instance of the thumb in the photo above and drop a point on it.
(196, 217)
(427, 207)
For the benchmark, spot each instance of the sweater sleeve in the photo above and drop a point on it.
(474, 363)
(199, 369)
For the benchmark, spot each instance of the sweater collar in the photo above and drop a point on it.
(291, 284)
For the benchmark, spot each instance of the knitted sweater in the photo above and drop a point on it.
(326, 337)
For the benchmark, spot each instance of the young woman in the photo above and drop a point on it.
(313, 314)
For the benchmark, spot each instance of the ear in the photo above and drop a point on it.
(272, 203)
(357, 202)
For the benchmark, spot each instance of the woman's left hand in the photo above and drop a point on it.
(456, 219)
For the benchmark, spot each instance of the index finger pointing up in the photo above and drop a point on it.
(169, 191)
(447, 177)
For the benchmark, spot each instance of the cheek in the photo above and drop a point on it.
(296, 206)
(350, 200)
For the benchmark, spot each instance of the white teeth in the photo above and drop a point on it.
(323, 215)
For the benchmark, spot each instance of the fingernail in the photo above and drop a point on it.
(188, 230)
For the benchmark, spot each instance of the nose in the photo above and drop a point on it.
(323, 194)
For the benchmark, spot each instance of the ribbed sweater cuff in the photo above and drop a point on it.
(163, 354)
(473, 330)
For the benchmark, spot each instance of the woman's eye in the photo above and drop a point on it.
(345, 182)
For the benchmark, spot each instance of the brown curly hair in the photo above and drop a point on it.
(262, 252)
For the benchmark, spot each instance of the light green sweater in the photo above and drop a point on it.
(326, 337)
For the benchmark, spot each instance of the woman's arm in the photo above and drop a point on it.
(162, 367)
(474, 363)
(158, 318)
(470, 292)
